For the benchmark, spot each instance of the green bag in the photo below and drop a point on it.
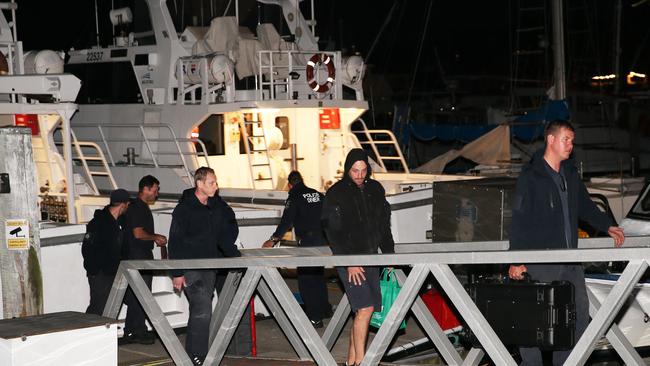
(389, 291)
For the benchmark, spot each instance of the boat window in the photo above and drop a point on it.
(106, 83)
(283, 124)
(211, 133)
(641, 208)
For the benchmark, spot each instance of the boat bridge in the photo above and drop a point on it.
(262, 274)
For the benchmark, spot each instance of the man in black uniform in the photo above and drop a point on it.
(102, 249)
(302, 210)
(549, 199)
(141, 239)
(203, 226)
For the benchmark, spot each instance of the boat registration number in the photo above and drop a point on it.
(94, 56)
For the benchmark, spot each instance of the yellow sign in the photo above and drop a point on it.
(17, 234)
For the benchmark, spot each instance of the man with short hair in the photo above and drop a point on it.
(356, 219)
(302, 210)
(203, 226)
(102, 249)
(549, 199)
(141, 238)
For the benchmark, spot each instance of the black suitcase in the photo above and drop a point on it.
(528, 314)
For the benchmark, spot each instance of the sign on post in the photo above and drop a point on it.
(17, 234)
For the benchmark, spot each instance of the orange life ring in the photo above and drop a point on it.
(320, 58)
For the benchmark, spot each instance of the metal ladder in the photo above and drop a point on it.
(256, 153)
(84, 159)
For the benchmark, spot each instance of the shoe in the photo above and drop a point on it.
(197, 360)
(317, 323)
(140, 338)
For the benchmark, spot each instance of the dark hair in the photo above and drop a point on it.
(555, 126)
(201, 173)
(147, 181)
(294, 178)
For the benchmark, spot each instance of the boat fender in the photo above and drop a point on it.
(316, 60)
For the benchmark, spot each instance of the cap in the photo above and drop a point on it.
(119, 196)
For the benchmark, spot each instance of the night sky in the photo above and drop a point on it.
(462, 37)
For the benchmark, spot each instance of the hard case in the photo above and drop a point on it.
(528, 314)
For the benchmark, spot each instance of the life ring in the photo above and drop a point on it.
(320, 58)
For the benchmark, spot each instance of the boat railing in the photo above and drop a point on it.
(151, 147)
(377, 140)
(282, 76)
(261, 274)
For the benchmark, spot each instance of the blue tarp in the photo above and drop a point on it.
(527, 128)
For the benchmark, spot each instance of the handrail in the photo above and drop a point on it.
(148, 142)
(373, 144)
(263, 264)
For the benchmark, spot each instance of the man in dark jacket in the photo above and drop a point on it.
(549, 199)
(141, 238)
(356, 218)
(303, 210)
(102, 249)
(203, 226)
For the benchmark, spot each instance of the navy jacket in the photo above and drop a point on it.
(357, 221)
(303, 211)
(202, 231)
(537, 218)
(102, 246)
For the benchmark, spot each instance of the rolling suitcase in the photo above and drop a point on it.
(528, 314)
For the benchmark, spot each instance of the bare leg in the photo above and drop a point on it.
(351, 354)
(359, 333)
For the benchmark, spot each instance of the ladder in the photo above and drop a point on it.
(99, 170)
(378, 138)
(255, 144)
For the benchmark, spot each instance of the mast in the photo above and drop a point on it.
(559, 92)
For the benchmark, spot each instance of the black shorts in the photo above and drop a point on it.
(365, 295)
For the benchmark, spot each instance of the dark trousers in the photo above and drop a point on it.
(575, 274)
(100, 287)
(199, 290)
(312, 285)
(135, 315)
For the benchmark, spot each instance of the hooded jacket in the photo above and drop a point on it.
(537, 217)
(202, 231)
(102, 246)
(357, 219)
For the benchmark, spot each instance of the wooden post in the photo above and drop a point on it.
(20, 271)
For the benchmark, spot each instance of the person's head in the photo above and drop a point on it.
(205, 182)
(148, 189)
(357, 167)
(559, 137)
(119, 201)
(294, 178)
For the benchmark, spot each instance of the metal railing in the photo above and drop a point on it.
(262, 274)
(148, 142)
(373, 138)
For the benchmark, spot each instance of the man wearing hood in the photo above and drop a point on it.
(102, 249)
(203, 226)
(549, 199)
(356, 219)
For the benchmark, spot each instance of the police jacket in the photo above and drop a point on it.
(537, 217)
(357, 220)
(102, 246)
(202, 231)
(302, 210)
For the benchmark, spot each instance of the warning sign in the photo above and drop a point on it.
(329, 119)
(17, 234)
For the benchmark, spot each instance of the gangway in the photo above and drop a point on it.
(262, 275)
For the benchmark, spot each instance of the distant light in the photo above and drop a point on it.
(604, 77)
(635, 78)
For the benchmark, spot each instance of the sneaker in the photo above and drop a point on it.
(146, 338)
(317, 323)
(197, 360)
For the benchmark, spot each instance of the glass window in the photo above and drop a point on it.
(211, 133)
(283, 124)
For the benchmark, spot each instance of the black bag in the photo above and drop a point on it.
(528, 314)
